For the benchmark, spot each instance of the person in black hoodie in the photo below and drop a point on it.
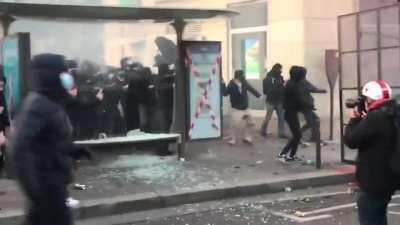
(374, 134)
(165, 95)
(112, 120)
(312, 119)
(132, 72)
(274, 89)
(294, 102)
(41, 143)
(77, 106)
(241, 119)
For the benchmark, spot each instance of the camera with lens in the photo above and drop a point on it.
(359, 102)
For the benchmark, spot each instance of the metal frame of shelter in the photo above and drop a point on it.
(369, 49)
(10, 12)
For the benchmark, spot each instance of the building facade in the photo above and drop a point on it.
(291, 32)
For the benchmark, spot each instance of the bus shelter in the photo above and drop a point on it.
(178, 18)
(369, 49)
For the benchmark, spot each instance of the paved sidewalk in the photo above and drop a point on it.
(213, 170)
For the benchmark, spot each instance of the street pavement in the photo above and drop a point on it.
(119, 178)
(333, 205)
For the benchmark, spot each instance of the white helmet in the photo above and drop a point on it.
(377, 90)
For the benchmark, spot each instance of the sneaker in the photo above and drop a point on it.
(281, 156)
(248, 140)
(232, 142)
(297, 159)
(293, 159)
(287, 159)
(72, 203)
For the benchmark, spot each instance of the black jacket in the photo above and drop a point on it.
(240, 99)
(41, 145)
(82, 110)
(306, 89)
(139, 88)
(374, 137)
(274, 87)
(164, 85)
(293, 99)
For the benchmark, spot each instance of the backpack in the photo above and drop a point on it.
(273, 85)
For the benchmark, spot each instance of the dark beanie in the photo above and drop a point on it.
(45, 72)
(49, 61)
(297, 73)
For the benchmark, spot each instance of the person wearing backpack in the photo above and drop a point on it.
(373, 133)
(274, 89)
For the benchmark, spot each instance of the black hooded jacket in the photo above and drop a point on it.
(298, 91)
(41, 144)
(274, 87)
(294, 99)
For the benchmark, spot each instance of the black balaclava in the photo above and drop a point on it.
(297, 73)
(45, 70)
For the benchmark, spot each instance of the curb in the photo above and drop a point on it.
(141, 202)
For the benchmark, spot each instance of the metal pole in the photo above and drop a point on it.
(331, 115)
(318, 145)
(180, 92)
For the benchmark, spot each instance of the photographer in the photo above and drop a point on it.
(372, 131)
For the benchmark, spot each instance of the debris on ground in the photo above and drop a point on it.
(288, 189)
(80, 187)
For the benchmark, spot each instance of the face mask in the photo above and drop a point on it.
(67, 81)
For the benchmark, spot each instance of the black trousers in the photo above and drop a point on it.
(312, 122)
(50, 209)
(372, 207)
(292, 119)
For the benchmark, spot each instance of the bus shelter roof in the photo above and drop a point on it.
(75, 12)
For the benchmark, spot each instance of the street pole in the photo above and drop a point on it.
(180, 90)
(318, 163)
(331, 113)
